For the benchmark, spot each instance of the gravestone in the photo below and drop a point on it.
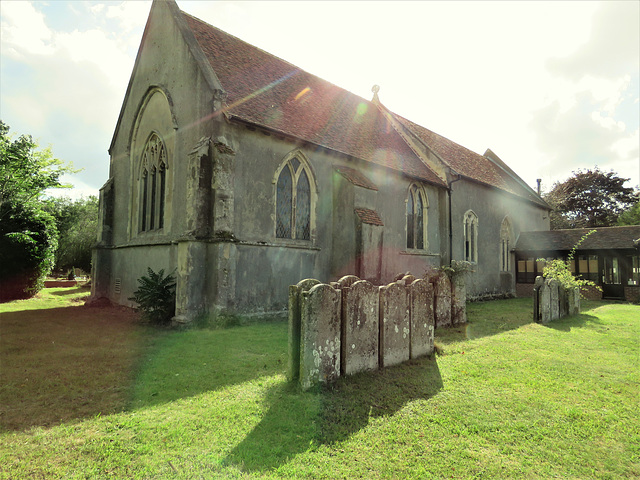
(360, 328)
(407, 279)
(458, 301)
(347, 281)
(575, 295)
(320, 335)
(545, 302)
(422, 322)
(442, 300)
(394, 325)
(537, 299)
(554, 298)
(563, 301)
(295, 292)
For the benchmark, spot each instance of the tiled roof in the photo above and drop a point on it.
(470, 164)
(615, 238)
(356, 177)
(369, 216)
(267, 91)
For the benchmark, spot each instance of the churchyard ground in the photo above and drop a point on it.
(94, 393)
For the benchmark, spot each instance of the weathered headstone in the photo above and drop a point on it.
(422, 322)
(545, 302)
(576, 301)
(295, 292)
(320, 336)
(537, 299)
(555, 298)
(563, 301)
(458, 301)
(360, 328)
(347, 281)
(394, 325)
(442, 300)
(407, 279)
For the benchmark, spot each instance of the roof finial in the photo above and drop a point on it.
(375, 89)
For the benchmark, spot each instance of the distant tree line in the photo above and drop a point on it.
(38, 234)
(593, 198)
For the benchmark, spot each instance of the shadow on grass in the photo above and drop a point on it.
(69, 291)
(489, 318)
(298, 421)
(574, 321)
(63, 364)
(186, 363)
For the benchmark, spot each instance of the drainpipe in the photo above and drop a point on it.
(450, 218)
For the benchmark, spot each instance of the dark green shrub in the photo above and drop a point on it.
(28, 241)
(156, 296)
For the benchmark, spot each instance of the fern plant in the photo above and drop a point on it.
(156, 296)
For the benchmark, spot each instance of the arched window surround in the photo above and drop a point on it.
(152, 184)
(506, 243)
(416, 205)
(470, 229)
(294, 210)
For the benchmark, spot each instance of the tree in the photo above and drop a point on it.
(28, 234)
(630, 216)
(590, 198)
(77, 224)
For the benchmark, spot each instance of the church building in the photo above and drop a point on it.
(243, 174)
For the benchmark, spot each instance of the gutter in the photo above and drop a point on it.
(449, 191)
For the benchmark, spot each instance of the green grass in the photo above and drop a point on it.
(507, 399)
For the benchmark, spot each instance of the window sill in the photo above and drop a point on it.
(419, 253)
(300, 244)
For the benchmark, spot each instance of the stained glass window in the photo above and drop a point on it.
(153, 184)
(419, 222)
(143, 193)
(303, 207)
(284, 205)
(416, 203)
(293, 201)
(470, 237)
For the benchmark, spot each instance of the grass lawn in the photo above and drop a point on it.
(92, 393)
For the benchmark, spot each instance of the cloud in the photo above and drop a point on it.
(24, 30)
(65, 86)
(613, 49)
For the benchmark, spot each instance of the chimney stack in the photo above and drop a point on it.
(539, 181)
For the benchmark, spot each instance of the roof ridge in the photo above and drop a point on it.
(393, 116)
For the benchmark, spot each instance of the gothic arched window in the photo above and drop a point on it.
(153, 184)
(293, 201)
(470, 237)
(416, 218)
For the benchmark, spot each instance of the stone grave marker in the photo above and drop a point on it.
(320, 335)
(394, 325)
(360, 327)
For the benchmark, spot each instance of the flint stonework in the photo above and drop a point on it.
(320, 336)
(394, 325)
(360, 328)
(422, 322)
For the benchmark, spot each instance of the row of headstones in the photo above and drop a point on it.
(351, 325)
(552, 301)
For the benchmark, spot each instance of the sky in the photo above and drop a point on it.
(550, 87)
